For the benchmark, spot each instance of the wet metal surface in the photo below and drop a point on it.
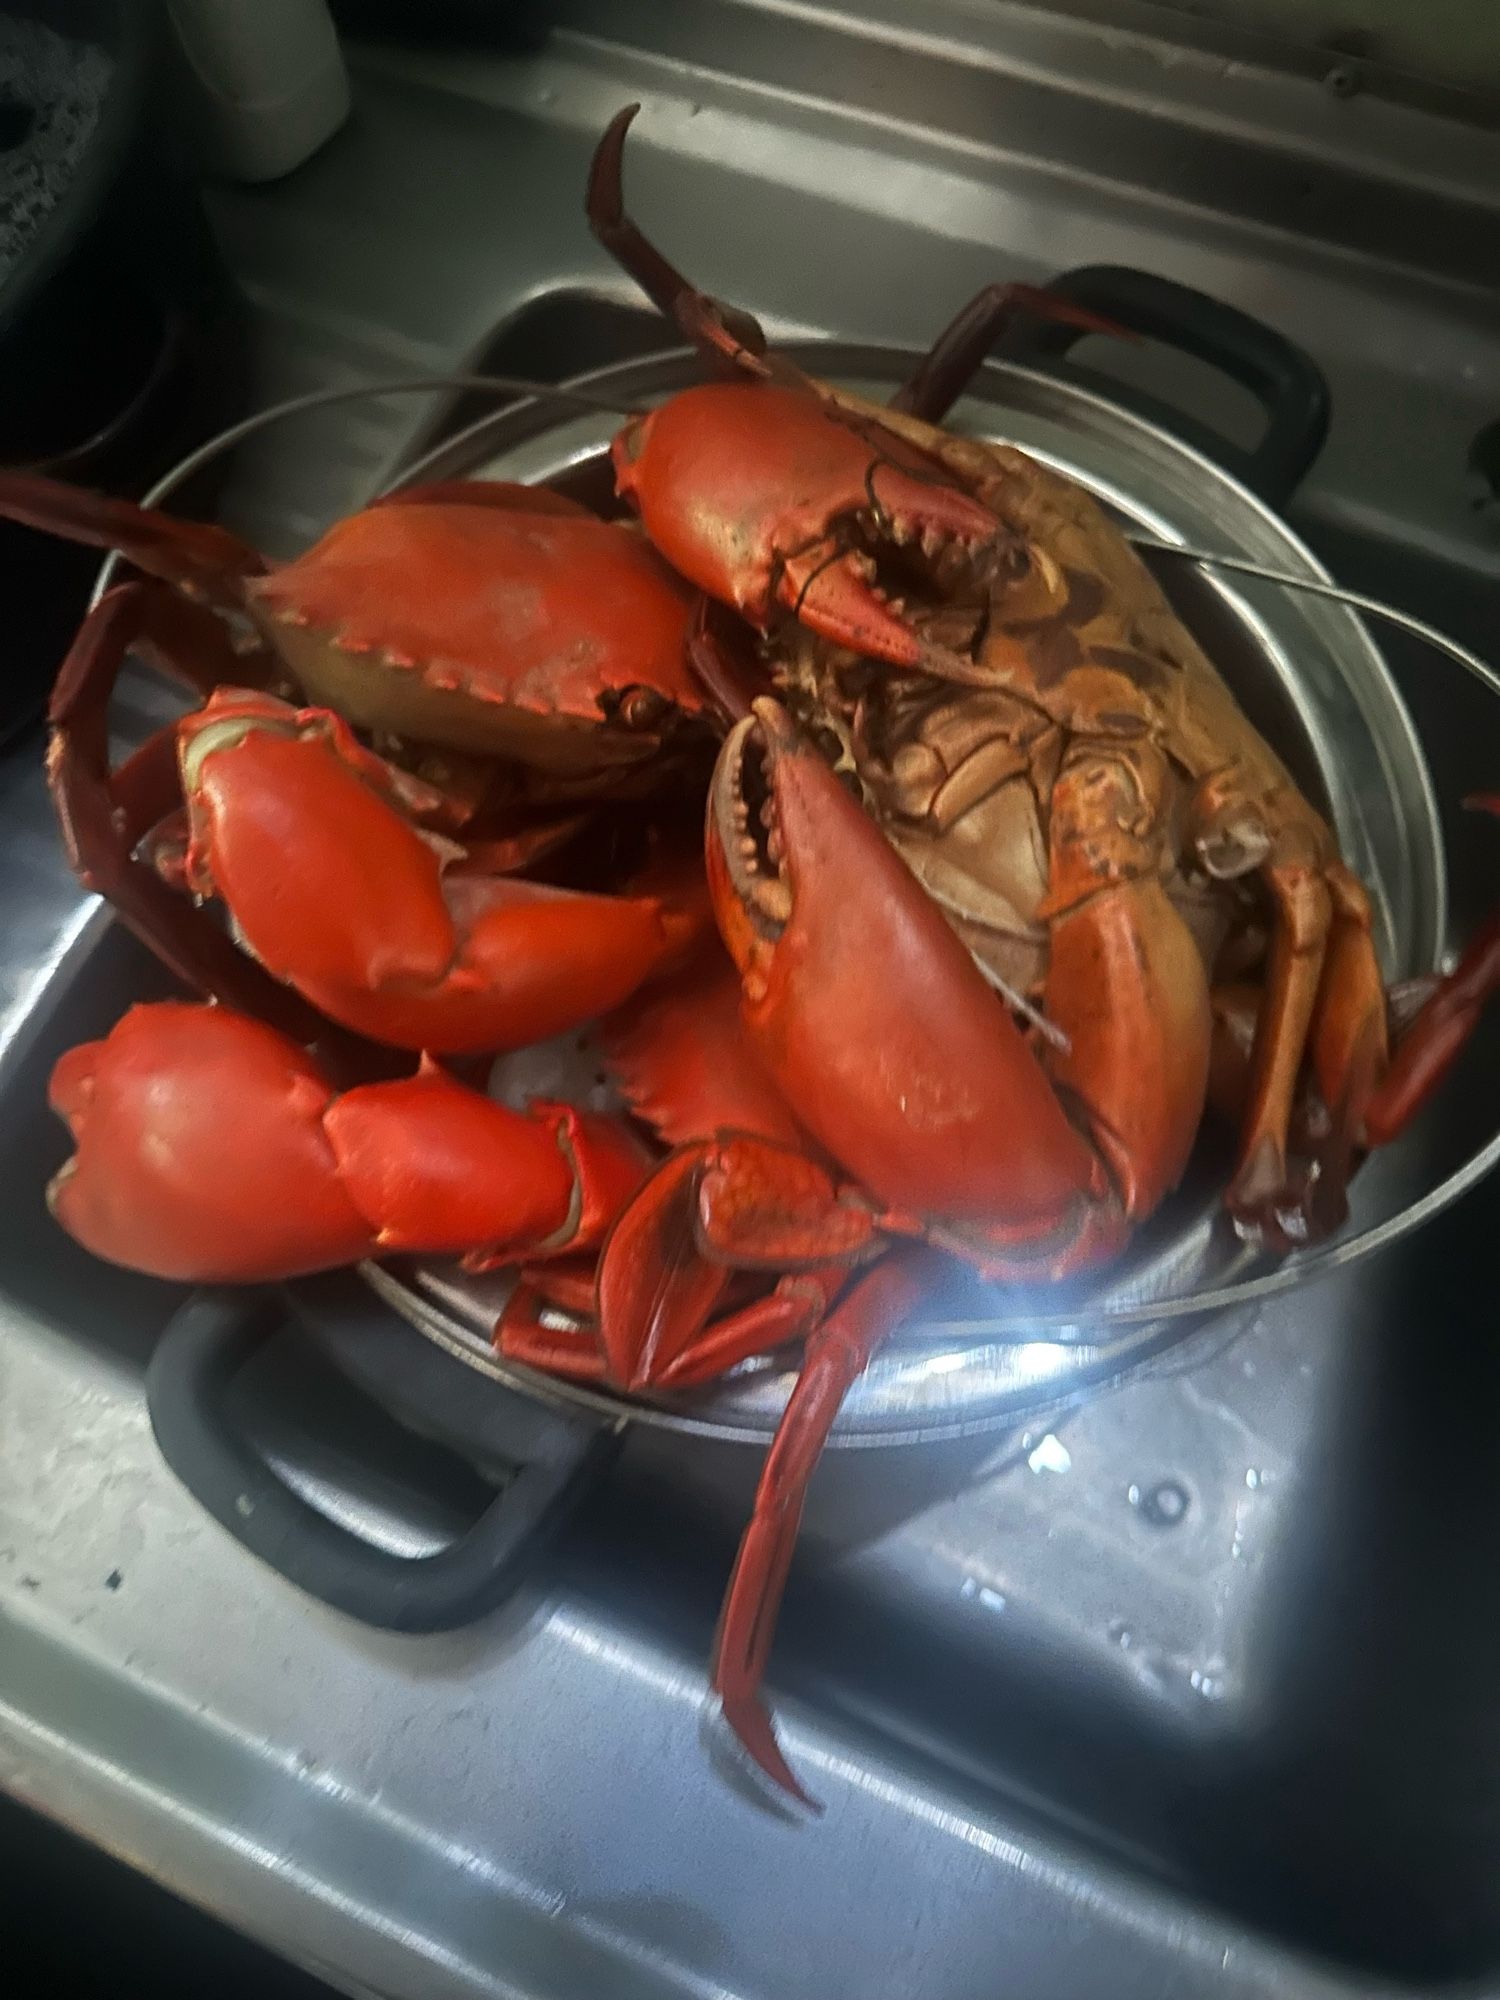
(1189, 1692)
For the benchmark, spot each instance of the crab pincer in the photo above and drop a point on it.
(765, 498)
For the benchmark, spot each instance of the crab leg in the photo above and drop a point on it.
(1125, 982)
(729, 679)
(735, 1202)
(529, 1330)
(1432, 1042)
(1430, 1047)
(836, 1354)
(199, 558)
(1295, 875)
(955, 357)
(722, 330)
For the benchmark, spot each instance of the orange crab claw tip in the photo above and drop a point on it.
(835, 599)
(776, 725)
(1053, 305)
(751, 1724)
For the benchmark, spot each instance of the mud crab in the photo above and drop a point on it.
(998, 873)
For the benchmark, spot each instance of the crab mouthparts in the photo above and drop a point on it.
(748, 826)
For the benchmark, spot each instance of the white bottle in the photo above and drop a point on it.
(266, 80)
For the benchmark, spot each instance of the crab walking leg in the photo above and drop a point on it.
(531, 1329)
(1348, 1033)
(197, 557)
(954, 358)
(1126, 983)
(732, 1202)
(661, 281)
(1347, 1046)
(1296, 877)
(836, 1354)
(1369, 1094)
(1432, 1044)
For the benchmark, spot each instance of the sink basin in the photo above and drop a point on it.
(1187, 1689)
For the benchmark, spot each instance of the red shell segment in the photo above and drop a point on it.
(537, 610)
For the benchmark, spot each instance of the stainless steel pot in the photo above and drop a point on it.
(1304, 669)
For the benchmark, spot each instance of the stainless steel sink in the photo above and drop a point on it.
(1190, 1690)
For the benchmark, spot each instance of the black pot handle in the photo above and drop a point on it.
(559, 1455)
(1287, 383)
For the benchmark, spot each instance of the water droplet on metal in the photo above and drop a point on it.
(991, 1599)
(1166, 1504)
(1051, 1455)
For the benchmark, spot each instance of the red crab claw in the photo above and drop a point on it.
(873, 1021)
(759, 495)
(303, 835)
(211, 1149)
(771, 493)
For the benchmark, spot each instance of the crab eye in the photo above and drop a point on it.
(642, 707)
